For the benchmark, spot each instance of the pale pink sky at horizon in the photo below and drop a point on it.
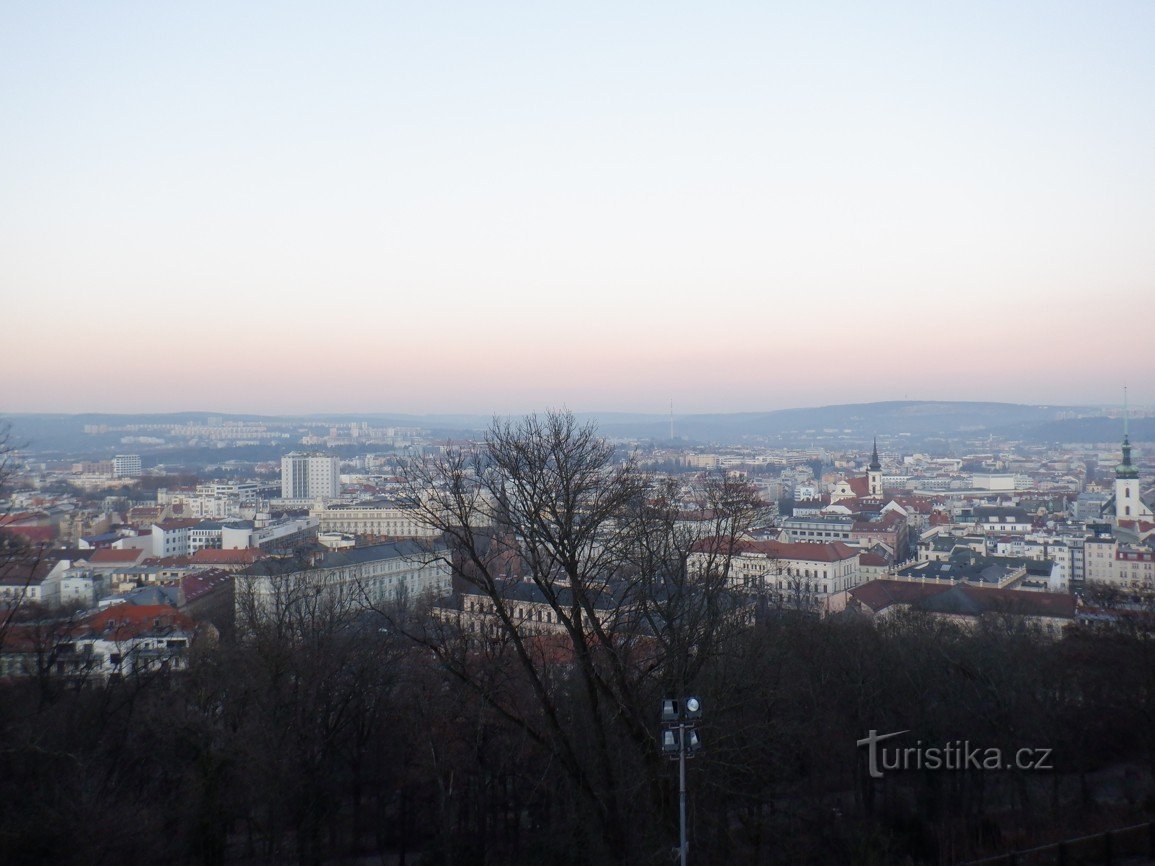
(365, 207)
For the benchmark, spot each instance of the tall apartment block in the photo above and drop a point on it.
(126, 466)
(310, 476)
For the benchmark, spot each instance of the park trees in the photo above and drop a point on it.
(546, 511)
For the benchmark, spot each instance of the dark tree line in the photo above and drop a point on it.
(364, 744)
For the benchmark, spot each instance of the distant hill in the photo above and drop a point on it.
(1089, 430)
(918, 418)
(918, 421)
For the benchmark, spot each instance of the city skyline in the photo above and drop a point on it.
(503, 209)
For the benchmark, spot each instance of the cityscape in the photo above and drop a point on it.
(143, 554)
(502, 434)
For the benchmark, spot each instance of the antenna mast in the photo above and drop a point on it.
(1126, 412)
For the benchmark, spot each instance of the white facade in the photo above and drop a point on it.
(1128, 504)
(351, 579)
(126, 466)
(373, 518)
(170, 539)
(805, 574)
(993, 481)
(204, 535)
(79, 589)
(186, 537)
(310, 476)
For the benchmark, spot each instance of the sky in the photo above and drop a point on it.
(502, 207)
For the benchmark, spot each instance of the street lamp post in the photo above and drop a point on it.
(680, 741)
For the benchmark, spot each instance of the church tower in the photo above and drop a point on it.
(1128, 505)
(874, 472)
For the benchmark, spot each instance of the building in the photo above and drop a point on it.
(277, 536)
(1099, 559)
(802, 575)
(529, 610)
(966, 566)
(1108, 560)
(122, 640)
(1002, 519)
(818, 527)
(22, 581)
(888, 529)
(174, 538)
(1135, 567)
(126, 466)
(353, 579)
(1127, 504)
(1089, 506)
(965, 604)
(310, 476)
(874, 473)
(380, 518)
(219, 499)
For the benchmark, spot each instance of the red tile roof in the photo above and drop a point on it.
(884, 524)
(168, 561)
(193, 586)
(123, 621)
(111, 556)
(878, 595)
(24, 572)
(178, 524)
(240, 556)
(21, 517)
(881, 594)
(831, 551)
(915, 503)
(31, 533)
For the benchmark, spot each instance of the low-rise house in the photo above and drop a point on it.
(873, 565)
(111, 558)
(1002, 519)
(23, 582)
(123, 640)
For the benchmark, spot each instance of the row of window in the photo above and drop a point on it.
(522, 614)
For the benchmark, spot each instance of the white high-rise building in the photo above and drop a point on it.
(310, 476)
(126, 466)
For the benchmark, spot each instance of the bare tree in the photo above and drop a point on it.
(19, 561)
(544, 507)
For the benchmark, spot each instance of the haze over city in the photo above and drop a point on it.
(504, 207)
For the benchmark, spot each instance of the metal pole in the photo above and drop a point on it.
(682, 791)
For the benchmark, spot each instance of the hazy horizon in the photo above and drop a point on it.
(655, 415)
(287, 208)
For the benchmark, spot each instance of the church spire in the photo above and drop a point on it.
(874, 464)
(1125, 469)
